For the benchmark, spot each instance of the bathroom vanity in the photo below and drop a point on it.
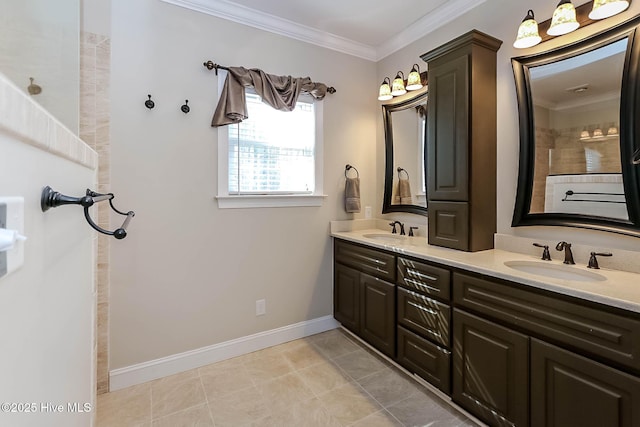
(510, 347)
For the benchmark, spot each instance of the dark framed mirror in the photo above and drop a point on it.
(578, 111)
(405, 155)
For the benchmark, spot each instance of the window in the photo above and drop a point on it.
(273, 158)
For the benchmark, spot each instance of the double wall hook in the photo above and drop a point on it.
(53, 199)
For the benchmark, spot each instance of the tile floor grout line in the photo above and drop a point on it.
(206, 398)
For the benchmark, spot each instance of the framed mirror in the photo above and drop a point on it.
(578, 118)
(405, 156)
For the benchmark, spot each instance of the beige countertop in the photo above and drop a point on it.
(618, 289)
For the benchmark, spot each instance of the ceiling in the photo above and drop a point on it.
(363, 28)
(586, 79)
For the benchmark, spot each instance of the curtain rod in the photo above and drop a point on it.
(210, 65)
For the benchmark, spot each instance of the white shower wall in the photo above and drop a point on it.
(47, 307)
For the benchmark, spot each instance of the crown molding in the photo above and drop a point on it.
(427, 24)
(274, 24)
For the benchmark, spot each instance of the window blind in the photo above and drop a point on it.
(273, 152)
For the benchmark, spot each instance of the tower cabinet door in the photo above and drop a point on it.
(491, 370)
(570, 390)
(346, 297)
(378, 315)
(448, 130)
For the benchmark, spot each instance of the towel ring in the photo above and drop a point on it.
(401, 170)
(349, 167)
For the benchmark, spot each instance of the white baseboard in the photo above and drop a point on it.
(158, 368)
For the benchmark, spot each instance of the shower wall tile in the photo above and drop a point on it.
(95, 66)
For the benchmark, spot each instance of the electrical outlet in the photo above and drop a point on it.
(261, 307)
(367, 212)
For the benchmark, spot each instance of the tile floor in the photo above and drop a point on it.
(325, 380)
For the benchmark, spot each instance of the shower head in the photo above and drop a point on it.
(33, 88)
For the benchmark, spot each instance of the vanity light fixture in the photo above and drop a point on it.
(414, 81)
(585, 134)
(606, 8)
(597, 133)
(385, 90)
(397, 87)
(612, 131)
(564, 19)
(528, 35)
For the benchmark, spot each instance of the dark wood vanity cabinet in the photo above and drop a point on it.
(346, 297)
(408, 321)
(510, 354)
(461, 142)
(377, 313)
(424, 321)
(490, 370)
(364, 295)
(527, 357)
(571, 390)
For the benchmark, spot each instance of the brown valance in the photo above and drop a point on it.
(280, 92)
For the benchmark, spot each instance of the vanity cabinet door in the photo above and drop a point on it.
(570, 390)
(447, 128)
(346, 297)
(491, 370)
(449, 224)
(377, 313)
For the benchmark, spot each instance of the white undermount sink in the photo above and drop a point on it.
(385, 237)
(555, 271)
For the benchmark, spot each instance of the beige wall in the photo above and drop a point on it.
(188, 274)
(47, 306)
(501, 19)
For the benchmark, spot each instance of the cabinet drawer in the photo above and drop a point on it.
(424, 278)
(595, 331)
(424, 316)
(371, 261)
(422, 357)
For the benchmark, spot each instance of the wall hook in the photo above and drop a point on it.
(149, 103)
(53, 199)
(185, 108)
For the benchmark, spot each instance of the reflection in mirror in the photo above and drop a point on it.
(408, 153)
(576, 104)
(405, 127)
(578, 111)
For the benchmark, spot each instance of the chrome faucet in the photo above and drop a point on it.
(394, 231)
(568, 255)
